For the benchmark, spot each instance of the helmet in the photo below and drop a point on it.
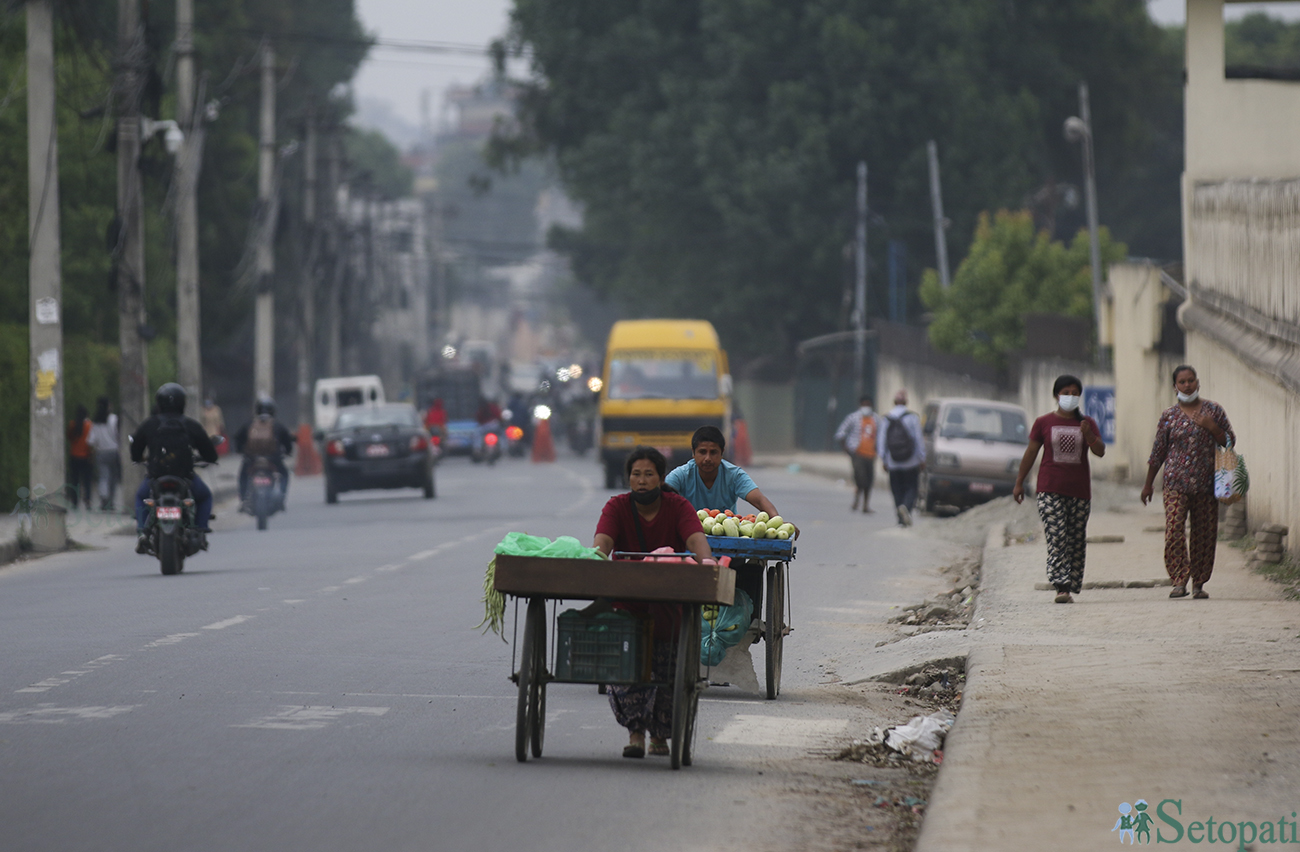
(170, 399)
(265, 405)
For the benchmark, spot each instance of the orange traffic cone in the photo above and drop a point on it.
(308, 459)
(543, 445)
(743, 451)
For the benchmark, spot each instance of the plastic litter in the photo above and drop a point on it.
(920, 737)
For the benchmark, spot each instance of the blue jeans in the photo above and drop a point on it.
(199, 490)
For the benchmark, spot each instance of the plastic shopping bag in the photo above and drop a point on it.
(723, 627)
(1231, 482)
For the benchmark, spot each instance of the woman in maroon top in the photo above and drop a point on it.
(1064, 483)
(648, 518)
(1186, 438)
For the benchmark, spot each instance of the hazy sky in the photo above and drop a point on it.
(390, 83)
(398, 77)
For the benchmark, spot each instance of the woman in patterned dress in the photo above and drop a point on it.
(1186, 437)
(1064, 483)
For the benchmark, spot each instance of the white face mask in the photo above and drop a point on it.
(1189, 397)
(866, 411)
(1068, 402)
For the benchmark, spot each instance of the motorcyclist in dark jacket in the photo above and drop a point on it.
(170, 439)
(263, 437)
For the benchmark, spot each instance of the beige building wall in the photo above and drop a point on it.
(1241, 238)
(925, 382)
(1143, 384)
(1264, 417)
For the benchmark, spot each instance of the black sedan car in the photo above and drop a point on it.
(384, 446)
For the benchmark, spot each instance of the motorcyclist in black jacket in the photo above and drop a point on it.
(266, 437)
(170, 439)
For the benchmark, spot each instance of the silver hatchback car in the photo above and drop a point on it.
(973, 449)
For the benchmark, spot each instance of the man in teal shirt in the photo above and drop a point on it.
(709, 482)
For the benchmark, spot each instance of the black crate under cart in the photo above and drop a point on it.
(774, 555)
(538, 579)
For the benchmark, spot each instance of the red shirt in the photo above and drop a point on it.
(675, 523)
(1064, 469)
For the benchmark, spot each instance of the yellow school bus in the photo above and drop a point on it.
(663, 380)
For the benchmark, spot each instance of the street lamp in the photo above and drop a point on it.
(1079, 129)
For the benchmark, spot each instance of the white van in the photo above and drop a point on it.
(334, 394)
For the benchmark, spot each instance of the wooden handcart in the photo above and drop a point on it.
(774, 555)
(539, 579)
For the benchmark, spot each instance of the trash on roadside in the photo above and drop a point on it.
(921, 736)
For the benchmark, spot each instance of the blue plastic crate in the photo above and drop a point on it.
(752, 548)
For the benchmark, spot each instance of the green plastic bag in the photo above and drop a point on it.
(564, 547)
(724, 627)
(523, 544)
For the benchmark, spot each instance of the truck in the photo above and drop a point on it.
(662, 380)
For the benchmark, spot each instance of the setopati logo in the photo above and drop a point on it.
(1135, 824)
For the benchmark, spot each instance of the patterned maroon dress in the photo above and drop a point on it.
(1186, 450)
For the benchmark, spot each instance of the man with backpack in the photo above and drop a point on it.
(264, 437)
(171, 439)
(857, 435)
(902, 451)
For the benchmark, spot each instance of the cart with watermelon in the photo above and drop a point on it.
(774, 555)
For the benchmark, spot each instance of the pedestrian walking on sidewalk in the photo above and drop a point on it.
(857, 435)
(1186, 437)
(103, 442)
(81, 465)
(902, 452)
(1065, 438)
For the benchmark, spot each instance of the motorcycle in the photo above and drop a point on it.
(265, 497)
(169, 523)
(487, 443)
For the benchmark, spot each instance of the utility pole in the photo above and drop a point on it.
(334, 304)
(860, 286)
(45, 277)
(189, 365)
(128, 254)
(307, 284)
(940, 225)
(264, 318)
(1079, 129)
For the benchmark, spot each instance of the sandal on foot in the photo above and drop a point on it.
(1178, 592)
(1199, 593)
(1064, 597)
(633, 751)
(658, 748)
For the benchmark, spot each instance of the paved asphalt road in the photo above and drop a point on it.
(319, 687)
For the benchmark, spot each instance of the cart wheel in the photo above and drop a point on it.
(774, 633)
(693, 706)
(686, 694)
(537, 700)
(526, 722)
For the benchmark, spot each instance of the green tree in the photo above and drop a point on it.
(713, 145)
(1010, 271)
(377, 161)
(1261, 41)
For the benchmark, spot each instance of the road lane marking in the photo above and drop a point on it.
(775, 731)
(309, 718)
(86, 668)
(393, 567)
(354, 580)
(424, 554)
(229, 622)
(328, 589)
(48, 714)
(171, 639)
(295, 601)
